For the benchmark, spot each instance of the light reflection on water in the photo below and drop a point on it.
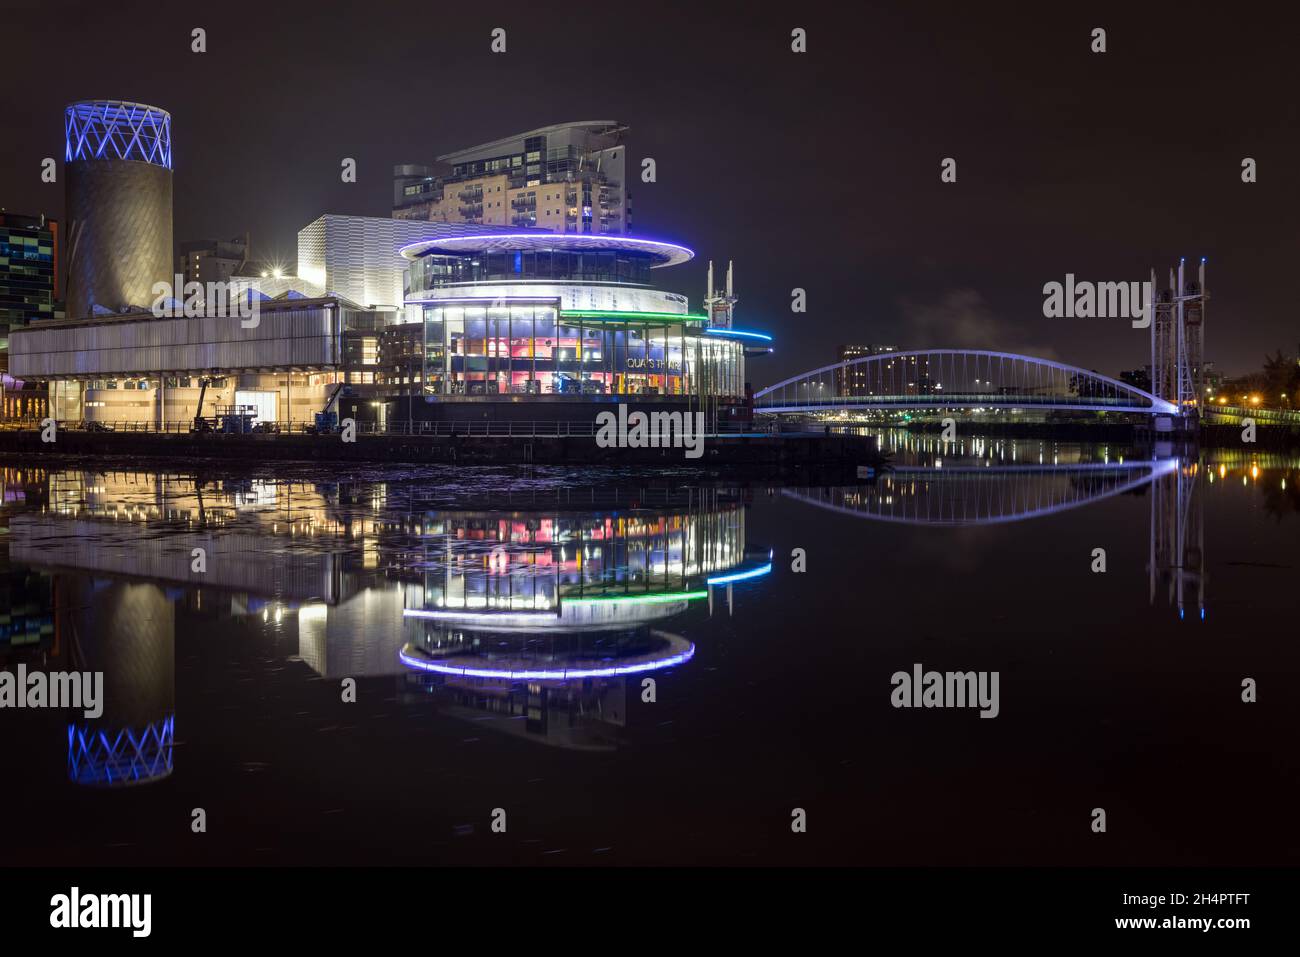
(531, 604)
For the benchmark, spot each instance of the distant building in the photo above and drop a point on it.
(1138, 378)
(30, 284)
(567, 178)
(852, 380)
(212, 260)
(29, 274)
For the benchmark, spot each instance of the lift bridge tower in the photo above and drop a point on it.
(1178, 340)
(720, 304)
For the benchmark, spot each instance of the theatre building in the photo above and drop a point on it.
(541, 326)
(523, 326)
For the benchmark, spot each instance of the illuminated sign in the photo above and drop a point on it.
(655, 365)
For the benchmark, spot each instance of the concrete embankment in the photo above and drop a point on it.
(780, 451)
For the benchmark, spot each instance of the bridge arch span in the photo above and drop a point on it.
(955, 378)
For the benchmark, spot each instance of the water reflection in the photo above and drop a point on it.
(532, 605)
(983, 494)
(536, 613)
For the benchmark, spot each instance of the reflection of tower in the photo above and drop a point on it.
(1178, 539)
(119, 204)
(127, 632)
(719, 304)
(1177, 339)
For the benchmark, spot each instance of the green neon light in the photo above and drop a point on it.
(643, 599)
(614, 316)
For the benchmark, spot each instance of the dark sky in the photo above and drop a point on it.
(818, 170)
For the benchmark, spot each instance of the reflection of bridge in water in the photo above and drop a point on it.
(982, 494)
(955, 379)
(972, 495)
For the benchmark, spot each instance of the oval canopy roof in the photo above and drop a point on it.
(664, 254)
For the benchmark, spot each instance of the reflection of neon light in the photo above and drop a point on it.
(116, 757)
(500, 617)
(740, 576)
(558, 675)
(739, 332)
(641, 599)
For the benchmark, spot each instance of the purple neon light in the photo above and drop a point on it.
(674, 253)
(567, 674)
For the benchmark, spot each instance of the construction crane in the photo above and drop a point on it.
(201, 424)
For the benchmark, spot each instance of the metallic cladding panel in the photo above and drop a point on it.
(283, 338)
(119, 234)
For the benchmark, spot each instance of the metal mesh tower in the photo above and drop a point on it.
(1177, 339)
(119, 204)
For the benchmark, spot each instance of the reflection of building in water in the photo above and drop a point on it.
(567, 690)
(27, 626)
(26, 613)
(587, 569)
(282, 539)
(537, 610)
(127, 632)
(361, 635)
(539, 620)
(1178, 539)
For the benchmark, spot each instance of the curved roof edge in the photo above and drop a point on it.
(667, 254)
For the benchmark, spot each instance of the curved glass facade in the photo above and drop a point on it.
(537, 349)
(524, 265)
(557, 318)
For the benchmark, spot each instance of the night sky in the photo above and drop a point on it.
(818, 170)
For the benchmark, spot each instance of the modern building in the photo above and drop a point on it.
(477, 321)
(29, 274)
(568, 178)
(30, 291)
(136, 368)
(119, 205)
(360, 257)
(561, 317)
(519, 326)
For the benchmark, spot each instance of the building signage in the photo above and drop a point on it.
(654, 365)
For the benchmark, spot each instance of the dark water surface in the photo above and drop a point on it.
(500, 623)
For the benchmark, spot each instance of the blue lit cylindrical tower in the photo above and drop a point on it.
(119, 204)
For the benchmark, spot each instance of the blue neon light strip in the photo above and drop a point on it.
(565, 674)
(740, 333)
(741, 576)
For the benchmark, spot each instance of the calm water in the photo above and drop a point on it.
(501, 624)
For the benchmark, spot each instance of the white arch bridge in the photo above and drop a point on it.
(955, 379)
